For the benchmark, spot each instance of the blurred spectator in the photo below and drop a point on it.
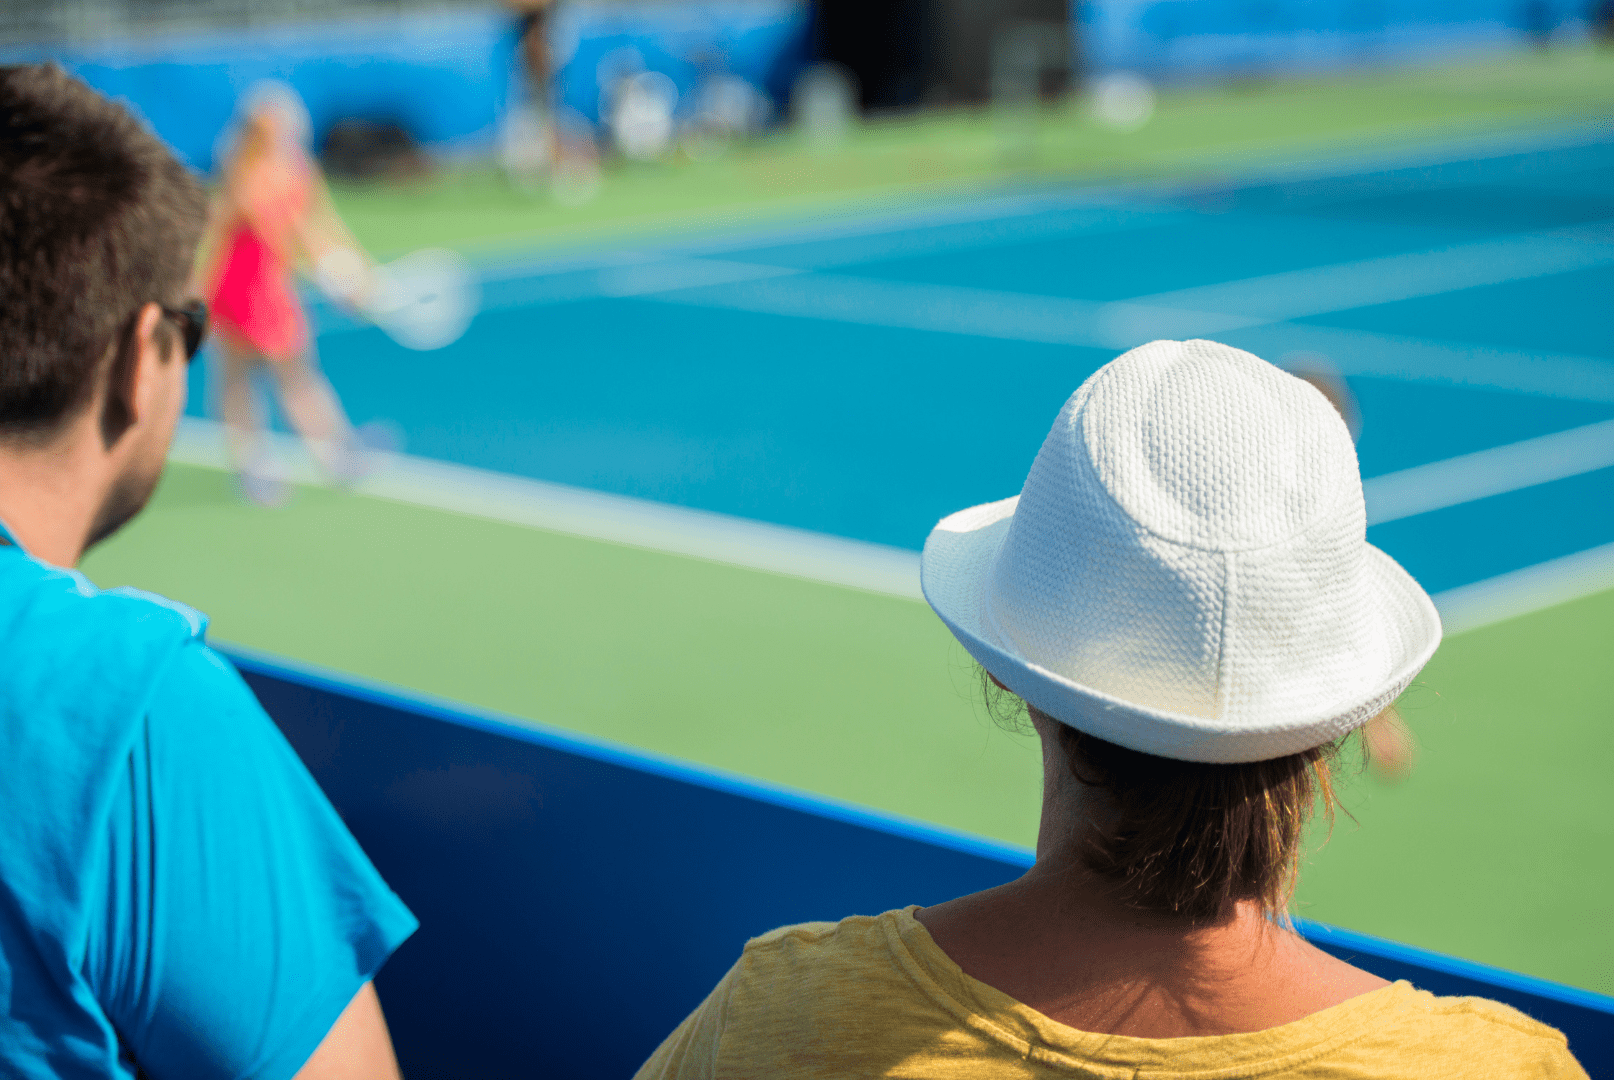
(531, 140)
(1600, 18)
(1535, 16)
(723, 109)
(640, 108)
(534, 23)
(823, 104)
(372, 150)
(541, 137)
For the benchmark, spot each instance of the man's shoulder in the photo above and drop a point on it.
(79, 669)
(47, 602)
(60, 635)
(40, 596)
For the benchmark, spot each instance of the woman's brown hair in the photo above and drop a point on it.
(1189, 838)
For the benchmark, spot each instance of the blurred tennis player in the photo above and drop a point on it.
(271, 215)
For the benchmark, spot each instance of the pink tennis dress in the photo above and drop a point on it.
(254, 302)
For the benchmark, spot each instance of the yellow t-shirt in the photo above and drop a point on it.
(877, 997)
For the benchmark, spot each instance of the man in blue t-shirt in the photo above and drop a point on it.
(177, 898)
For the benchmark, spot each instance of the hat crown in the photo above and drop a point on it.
(1193, 513)
(1208, 446)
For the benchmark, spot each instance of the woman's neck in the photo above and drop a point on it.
(1055, 940)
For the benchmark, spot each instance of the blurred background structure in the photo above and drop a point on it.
(740, 260)
(441, 73)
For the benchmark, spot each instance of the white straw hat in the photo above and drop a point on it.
(1186, 571)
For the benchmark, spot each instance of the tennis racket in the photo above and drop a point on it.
(424, 300)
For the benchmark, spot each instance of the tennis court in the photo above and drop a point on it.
(804, 377)
(672, 495)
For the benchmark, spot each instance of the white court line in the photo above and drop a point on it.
(873, 233)
(1319, 290)
(617, 519)
(1448, 363)
(1057, 321)
(1534, 588)
(646, 278)
(795, 552)
(632, 274)
(878, 215)
(1208, 310)
(1050, 225)
(1484, 473)
(906, 305)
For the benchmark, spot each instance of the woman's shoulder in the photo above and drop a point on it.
(826, 964)
(1496, 1039)
(827, 999)
(1422, 1007)
(822, 942)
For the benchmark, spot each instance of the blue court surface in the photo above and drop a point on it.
(862, 377)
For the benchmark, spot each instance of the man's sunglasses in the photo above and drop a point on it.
(192, 320)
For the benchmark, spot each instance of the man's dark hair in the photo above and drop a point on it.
(97, 218)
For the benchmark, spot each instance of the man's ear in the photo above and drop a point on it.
(139, 338)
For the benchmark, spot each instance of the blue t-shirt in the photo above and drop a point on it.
(175, 890)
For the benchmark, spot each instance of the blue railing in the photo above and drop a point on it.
(578, 898)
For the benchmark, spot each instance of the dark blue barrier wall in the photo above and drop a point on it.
(578, 899)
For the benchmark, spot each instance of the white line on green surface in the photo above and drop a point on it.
(857, 564)
(1548, 584)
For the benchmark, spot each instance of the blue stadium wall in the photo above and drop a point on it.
(578, 898)
(447, 78)
(1184, 40)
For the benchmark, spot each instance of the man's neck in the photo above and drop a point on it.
(50, 494)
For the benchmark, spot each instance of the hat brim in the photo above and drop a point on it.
(957, 563)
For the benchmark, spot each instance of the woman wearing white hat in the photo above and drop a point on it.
(1183, 597)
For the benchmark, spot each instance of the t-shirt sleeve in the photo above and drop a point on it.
(242, 916)
(691, 1051)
